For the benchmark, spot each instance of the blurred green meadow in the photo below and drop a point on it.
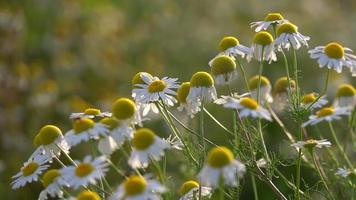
(63, 56)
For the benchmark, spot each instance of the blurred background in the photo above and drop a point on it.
(62, 56)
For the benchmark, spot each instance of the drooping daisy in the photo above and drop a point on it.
(107, 145)
(119, 132)
(30, 171)
(327, 114)
(287, 35)
(83, 130)
(334, 56)
(262, 48)
(201, 88)
(191, 108)
(310, 144)
(86, 172)
(345, 96)
(221, 165)
(90, 113)
(126, 112)
(308, 100)
(139, 188)
(270, 19)
(281, 92)
(223, 68)
(190, 190)
(146, 145)
(248, 107)
(265, 89)
(52, 183)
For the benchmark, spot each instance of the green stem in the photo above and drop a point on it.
(243, 73)
(59, 161)
(67, 156)
(201, 131)
(323, 92)
(254, 186)
(296, 76)
(296, 191)
(217, 122)
(121, 173)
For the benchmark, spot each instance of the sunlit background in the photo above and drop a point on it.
(62, 56)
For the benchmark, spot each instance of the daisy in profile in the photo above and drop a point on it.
(309, 100)
(86, 195)
(310, 144)
(90, 113)
(52, 182)
(281, 90)
(327, 114)
(270, 19)
(344, 172)
(221, 165)
(182, 93)
(223, 68)
(126, 112)
(334, 56)
(139, 188)
(30, 171)
(265, 89)
(86, 172)
(201, 88)
(146, 146)
(345, 96)
(288, 35)
(190, 191)
(262, 48)
(83, 130)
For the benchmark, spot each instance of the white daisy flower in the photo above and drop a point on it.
(146, 146)
(30, 171)
(201, 89)
(174, 142)
(85, 129)
(265, 89)
(86, 195)
(262, 48)
(287, 35)
(90, 113)
(270, 19)
(190, 190)
(52, 183)
(126, 112)
(281, 91)
(139, 188)
(223, 68)
(230, 101)
(86, 172)
(343, 172)
(308, 100)
(182, 93)
(221, 165)
(136, 79)
(310, 144)
(334, 56)
(345, 96)
(327, 114)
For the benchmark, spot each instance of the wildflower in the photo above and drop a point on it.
(126, 112)
(310, 144)
(87, 195)
(182, 94)
(86, 172)
(287, 35)
(52, 183)
(249, 107)
(230, 101)
(30, 171)
(174, 142)
(190, 190)
(334, 56)
(270, 19)
(265, 88)
(83, 130)
(221, 165)
(139, 188)
(120, 133)
(281, 92)
(223, 69)
(309, 100)
(90, 113)
(344, 172)
(146, 146)
(345, 96)
(201, 88)
(327, 114)
(262, 48)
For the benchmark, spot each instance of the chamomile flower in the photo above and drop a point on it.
(230, 101)
(86, 172)
(86, 195)
(265, 89)
(90, 113)
(334, 56)
(139, 188)
(107, 145)
(223, 68)
(270, 19)
(288, 35)
(126, 112)
(248, 107)
(190, 190)
(146, 146)
(190, 108)
(201, 88)
(221, 165)
(174, 142)
(52, 183)
(344, 172)
(308, 100)
(83, 130)
(30, 171)
(327, 114)
(282, 88)
(262, 48)
(310, 144)
(345, 96)
(119, 132)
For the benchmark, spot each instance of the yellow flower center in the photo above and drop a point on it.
(88, 195)
(137, 78)
(143, 138)
(219, 157)
(346, 90)
(37, 141)
(157, 86)
(228, 42)
(49, 176)
(263, 38)
(135, 185)
(92, 111)
(201, 79)
(84, 169)
(222, 65)
(123, 108)
(308, 98)
(48, 134)
(110, 122)
(282, 85)
(334, 50)
(325, 112)
(254, 81)
(249, 103)
(273, 17)
(187, 186)
(310, 144)
(29, 168)
(287, 28)
(183, 92)
(81, 125)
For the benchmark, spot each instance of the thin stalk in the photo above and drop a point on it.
(67, 156)
(254, 186)
(217, 121)
(296, 191)
(202, 142)
(296, 76)
(323, 92)
(121, 173)
(330, 152)
(59, 161)
(237, 141)
(243, 73)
